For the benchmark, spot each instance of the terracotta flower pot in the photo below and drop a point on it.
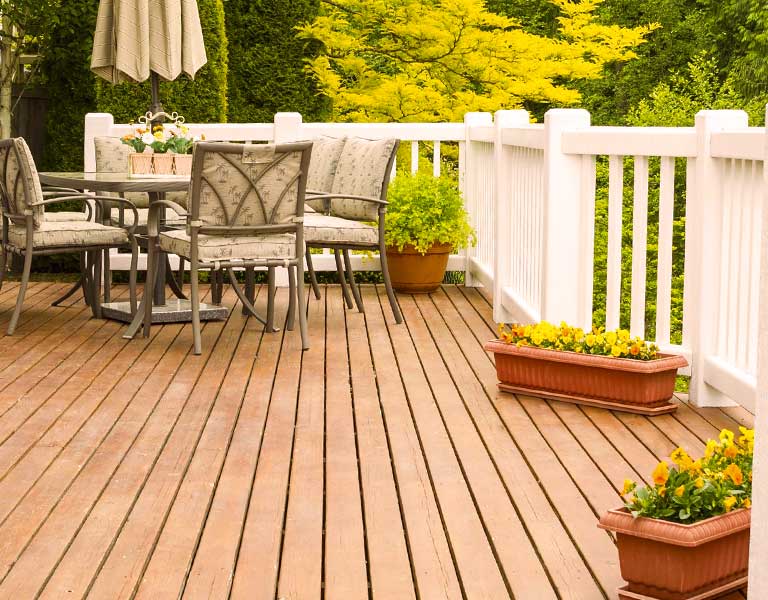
(162, 164)
(671, 561)
(638, 386)
(140, 163)
(182, 164)
(415, 273)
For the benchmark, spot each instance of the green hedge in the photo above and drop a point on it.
(65, 72)
(266, 73)
(202, 100)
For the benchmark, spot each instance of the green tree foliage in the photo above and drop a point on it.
(413, 60)
(66, 75)
(267, 60)
(201, 100)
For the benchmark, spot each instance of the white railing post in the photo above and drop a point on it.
(703, 252)
(758, 549)
(503, 226)
(287, 129)
(472, 119)
(96, 125)
(567, 257)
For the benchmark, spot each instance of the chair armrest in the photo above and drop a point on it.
(153, 223)
(100, 200)
(371, 199)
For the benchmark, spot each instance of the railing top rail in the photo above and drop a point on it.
(746, 144)
(632, 141)
(447, 132)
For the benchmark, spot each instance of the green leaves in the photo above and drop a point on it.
(424, 210)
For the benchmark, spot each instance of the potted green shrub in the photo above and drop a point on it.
(426, 221)
(687, 535)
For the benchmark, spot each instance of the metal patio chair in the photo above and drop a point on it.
(246, 210)
(29, 231)
(346, 204)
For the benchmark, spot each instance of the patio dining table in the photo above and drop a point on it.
(163, 310)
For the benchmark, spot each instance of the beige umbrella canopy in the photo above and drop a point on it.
(136, 39)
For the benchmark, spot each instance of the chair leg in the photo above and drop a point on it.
(250, 287)
(194, 298)
(270, 326)
(312, 276)
(96, 256)
(85, 278)
(3, 266)
(149, 286)
(342, 279)
(352, 282)
(132, 275)
(107, 278)
(302, 306)
(22, 291)
(388, 285)
(291, 299)
(180, 277)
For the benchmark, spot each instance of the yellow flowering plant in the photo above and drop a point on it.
(618, 343)
(693, 490)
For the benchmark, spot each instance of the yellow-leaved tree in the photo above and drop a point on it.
(434, 60)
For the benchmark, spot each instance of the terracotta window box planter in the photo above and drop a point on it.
(661, 560)
(163, 164)
(637, 386)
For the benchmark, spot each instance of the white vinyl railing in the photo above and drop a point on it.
(531, 191)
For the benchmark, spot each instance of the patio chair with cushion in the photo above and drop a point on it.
(28, 230)
(246, 210)
(350, 178)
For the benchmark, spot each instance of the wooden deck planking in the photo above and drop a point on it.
(383, 463)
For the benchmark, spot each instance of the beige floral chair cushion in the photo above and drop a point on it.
(319, 228)
(63, 215)
(217, 247)
(361, 171)
(21, 173)
(326, 152)
(171, 217)
(112, 157)
(68, 233)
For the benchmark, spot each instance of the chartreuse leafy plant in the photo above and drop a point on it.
(694, 490)
(420, 60)
(424, 210)
(618, 344)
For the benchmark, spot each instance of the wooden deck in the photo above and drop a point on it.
(382, 463)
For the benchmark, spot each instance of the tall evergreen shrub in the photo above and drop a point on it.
(266, 73)
(202, 100)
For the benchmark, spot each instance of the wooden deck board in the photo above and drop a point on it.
(382, 463)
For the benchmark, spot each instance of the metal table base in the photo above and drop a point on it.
(173, 311)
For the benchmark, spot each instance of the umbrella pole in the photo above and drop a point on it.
(156, 106)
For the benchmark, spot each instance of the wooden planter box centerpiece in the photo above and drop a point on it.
(662, 560)
(626, 384)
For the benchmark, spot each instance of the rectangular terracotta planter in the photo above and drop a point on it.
(638, 386)
(672, 561)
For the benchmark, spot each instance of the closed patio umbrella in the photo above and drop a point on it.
(140, 39)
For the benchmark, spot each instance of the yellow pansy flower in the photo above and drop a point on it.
(712, 445)
(726, 436)
(729, 502)
(734, 473)
(746, 503)
(590, 340)
(731, 452)
(616, 351)
(661, 473)
(611, 337)
(679, 491)
(629, 485)
(699, 483)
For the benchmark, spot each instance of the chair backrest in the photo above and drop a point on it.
(236, 185)
(19, 183)
(326, 152)
(363, 169)
(112, 157)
